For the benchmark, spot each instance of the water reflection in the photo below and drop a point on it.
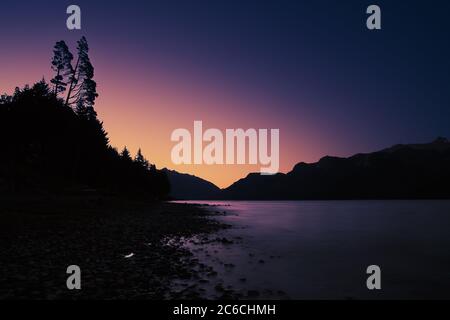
(321, 249)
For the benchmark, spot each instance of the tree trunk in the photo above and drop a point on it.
(72, 82)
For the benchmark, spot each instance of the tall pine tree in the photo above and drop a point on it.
(125, 154)
(140, 160)
(83, 89)
(62, 65)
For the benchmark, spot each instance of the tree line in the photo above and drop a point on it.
(52, 140)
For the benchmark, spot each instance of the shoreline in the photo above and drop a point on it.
(123, 247)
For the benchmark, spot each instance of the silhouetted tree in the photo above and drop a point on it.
(83, 89)
(62, 65)
(87, 96)
(49, 145)
(41, 89)
(125, 154)
(140, 160)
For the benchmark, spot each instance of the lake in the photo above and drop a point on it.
(321, 249)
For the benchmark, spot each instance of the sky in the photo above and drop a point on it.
(308, 68)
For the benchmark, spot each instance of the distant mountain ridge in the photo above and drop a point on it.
(409, 171)
(189, 187)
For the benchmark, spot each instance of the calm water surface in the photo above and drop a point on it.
(321, 249)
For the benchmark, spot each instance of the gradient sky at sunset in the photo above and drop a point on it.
(309, 68)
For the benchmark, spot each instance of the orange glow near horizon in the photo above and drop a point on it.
(329, 88)
(140, 109)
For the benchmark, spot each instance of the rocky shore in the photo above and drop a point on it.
(126, 249)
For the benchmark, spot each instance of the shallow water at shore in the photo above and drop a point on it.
(321, 249)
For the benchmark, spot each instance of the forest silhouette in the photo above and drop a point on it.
(53, 142)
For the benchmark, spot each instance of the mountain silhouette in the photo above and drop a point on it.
(404, 171)
(189, 187)
(400, 172)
